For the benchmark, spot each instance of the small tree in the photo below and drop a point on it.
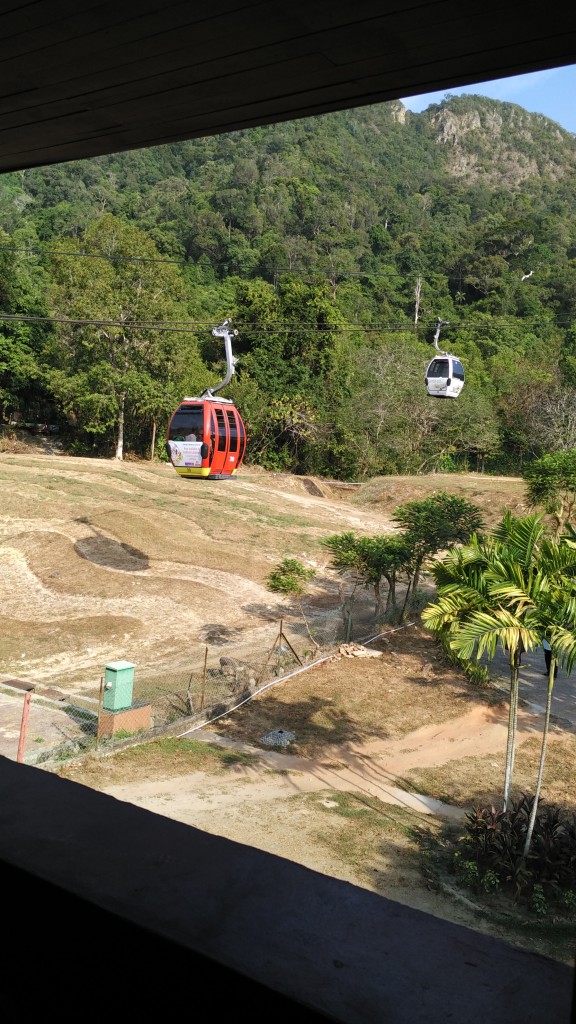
(291, 577)
(369, 560)
(552, 485)
(434, 524)
(384, 558)
(345, 562)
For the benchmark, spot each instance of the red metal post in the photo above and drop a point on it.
(23, 727)
(100, 695)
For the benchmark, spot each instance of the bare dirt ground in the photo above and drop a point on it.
(100, 561)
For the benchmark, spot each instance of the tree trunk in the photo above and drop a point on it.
(391, 596)
(120, 441)
(416, 579)
(153, 440)
(417, 297)
(347, 618)
(378, 605)
(405, 605)
(551, 675)
(512, 715)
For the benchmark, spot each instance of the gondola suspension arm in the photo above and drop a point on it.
(226, 332)
(439, 326)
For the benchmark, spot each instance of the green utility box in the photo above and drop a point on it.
(118, 685)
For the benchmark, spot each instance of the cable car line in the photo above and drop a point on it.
(187, 326)
(29, 249)
(38, 250)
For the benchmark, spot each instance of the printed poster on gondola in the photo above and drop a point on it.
(186, 453)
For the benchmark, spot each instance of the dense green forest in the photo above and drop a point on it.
(335, 244)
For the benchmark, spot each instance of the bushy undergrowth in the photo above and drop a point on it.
(473, 670)
(489, 857)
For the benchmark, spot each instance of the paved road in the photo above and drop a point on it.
(533, 683)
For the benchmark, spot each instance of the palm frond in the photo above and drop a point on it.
(563, 644)
(482, 631)
(522, 535)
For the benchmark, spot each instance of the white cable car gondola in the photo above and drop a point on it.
(445, 373)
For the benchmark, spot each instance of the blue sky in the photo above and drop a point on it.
(552, 93)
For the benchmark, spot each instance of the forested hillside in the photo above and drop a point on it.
(335, 244)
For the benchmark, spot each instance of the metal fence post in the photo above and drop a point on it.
(99, 711)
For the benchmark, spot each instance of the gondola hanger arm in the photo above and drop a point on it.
(226, 332)
(439, 326)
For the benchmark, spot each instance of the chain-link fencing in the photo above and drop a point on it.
(195, 685)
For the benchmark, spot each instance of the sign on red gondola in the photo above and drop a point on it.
(185, 453)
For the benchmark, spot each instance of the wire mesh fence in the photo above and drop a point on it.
(199, 684)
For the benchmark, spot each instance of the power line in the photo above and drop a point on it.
(185, 327)
(92, 255)
(27, 250)
(125, 324)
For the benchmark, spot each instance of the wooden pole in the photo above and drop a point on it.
(282, 636)
(270, 653)
(23, 727)
(203, 680)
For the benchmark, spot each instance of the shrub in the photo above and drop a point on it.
(493, 846)
(289, 577)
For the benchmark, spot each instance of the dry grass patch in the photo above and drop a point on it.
(475, 781)
(493, 494)
(351, 700)
(162, 759)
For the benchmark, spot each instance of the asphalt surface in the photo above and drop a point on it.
(534, 683)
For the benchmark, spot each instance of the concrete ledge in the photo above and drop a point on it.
(331, 947)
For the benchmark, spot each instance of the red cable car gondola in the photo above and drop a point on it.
(206, 436)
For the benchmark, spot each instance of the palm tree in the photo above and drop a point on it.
(473, 621)
(548, 606)
(516, 587)
(472, 633)
(553, 615)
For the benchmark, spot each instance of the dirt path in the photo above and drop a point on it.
(100, 562)
(138, 563)
(373, 768)
(348, 813)
(259, 804)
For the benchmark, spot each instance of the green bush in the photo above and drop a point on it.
(160, 452)
(289, 577)
(538, 901)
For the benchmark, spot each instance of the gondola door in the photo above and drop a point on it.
(228, 441)
(219, 442)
